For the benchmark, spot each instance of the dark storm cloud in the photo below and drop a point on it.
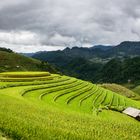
(68, 22)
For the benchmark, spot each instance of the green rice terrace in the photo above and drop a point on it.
(44, 106)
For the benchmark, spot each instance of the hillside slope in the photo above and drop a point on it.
(10, 61)
(137, 89)
(121, 90)
(49, 106)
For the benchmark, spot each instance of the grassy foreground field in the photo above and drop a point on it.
(44, 106)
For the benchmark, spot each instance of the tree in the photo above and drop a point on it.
(112, 71)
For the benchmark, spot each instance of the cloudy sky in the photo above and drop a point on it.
(34, 25)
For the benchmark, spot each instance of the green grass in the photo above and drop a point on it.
(16, 62)
(63, 108)
(137, 89)
(133, 94)
(119, 89)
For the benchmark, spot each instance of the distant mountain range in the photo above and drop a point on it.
(99, 63)
(124, 49)
(102, 47)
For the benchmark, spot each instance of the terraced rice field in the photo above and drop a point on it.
(40, 92)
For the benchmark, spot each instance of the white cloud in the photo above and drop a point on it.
(19, 38)
(31, 48)
(58, 39)
(7, 3)
(69, 22)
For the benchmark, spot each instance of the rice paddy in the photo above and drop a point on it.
(40, 105)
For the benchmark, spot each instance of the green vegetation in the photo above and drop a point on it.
(62, 107)
(6, 50)
(109, 70)
(137, 90)
(122, 50)
(120, 90)
(10, 61)
(98, 64)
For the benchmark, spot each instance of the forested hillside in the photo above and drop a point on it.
(114, 71)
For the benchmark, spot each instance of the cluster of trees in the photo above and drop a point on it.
(115, 71)
(81, 68)
(5, 50)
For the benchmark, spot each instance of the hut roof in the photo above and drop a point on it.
(132, 112)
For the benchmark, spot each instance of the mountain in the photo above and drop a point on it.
(31, 54)
(69, 53)
(97, 64)
(124, 49)
(27, 54)
(102, 47)
(10, 61)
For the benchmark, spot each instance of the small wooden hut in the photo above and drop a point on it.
(133, 112)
